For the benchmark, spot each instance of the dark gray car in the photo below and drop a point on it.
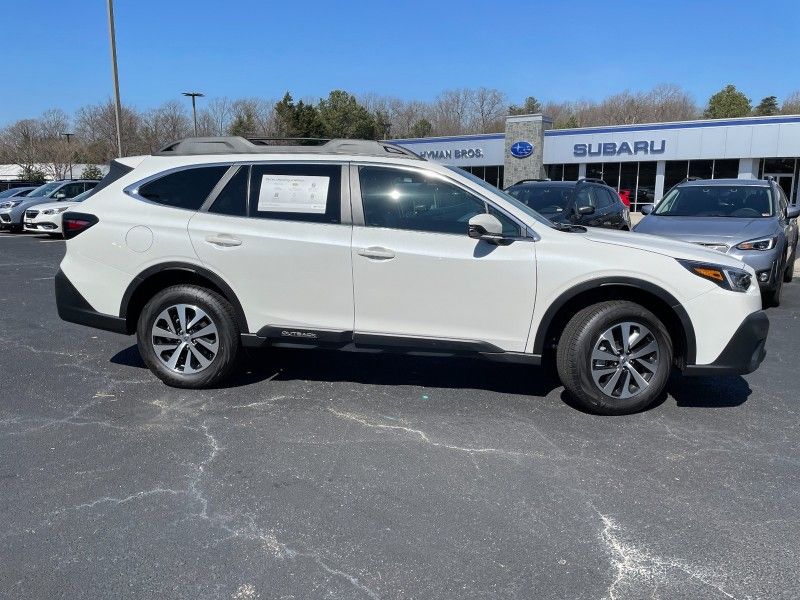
(749, 219)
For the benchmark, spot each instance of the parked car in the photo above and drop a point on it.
(747, 219)
(587, 202)
(217, 243)
(46, 218)
(13, 210)
(18, 192)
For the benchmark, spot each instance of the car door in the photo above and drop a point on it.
(611, 208)
(420, 281)
(69, 190)
(279, 234)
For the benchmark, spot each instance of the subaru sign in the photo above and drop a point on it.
(614, 149)
(521, 149)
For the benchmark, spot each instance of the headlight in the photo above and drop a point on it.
(10, 204)
(54, 211)
(759, 244)
(729, 278)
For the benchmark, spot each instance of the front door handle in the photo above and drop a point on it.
(376, 252)
(224, 241)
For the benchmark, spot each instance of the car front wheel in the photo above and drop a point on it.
(188, 337)
(615, 357)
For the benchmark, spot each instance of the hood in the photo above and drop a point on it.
(661, 245)
(728, 230)
(59, 204)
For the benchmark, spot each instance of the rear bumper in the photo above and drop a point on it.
(74, 308)
(744, 352)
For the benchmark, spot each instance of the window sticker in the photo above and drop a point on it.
(293, 193)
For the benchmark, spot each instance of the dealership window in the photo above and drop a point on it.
(726, 168)
(611, 174)
(555, 172)
(703, 169)
(594, 170)
(627, 178)
(492, 175)
(675, 171)
(778, 165)
(571, 172)
(646, 186)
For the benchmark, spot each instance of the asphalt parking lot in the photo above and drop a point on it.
(323, 475)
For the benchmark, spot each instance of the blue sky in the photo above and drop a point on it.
(56, 51)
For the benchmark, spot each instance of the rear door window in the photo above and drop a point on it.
(187, 188)
(297, 192)
(232, 200)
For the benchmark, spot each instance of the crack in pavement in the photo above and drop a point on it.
(636, 568)
(423, 437)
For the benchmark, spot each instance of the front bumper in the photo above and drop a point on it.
(744, 352)
(43, 223)
(74, 308)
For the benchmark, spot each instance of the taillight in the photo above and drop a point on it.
(75, 223)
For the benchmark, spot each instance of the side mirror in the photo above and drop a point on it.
(585, 210)
(60, 196)
(793, 212)
(647, 209)
(486, 227)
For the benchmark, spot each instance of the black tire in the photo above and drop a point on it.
(772, 298)
(219, 313)
(574, 358)
(788, 273)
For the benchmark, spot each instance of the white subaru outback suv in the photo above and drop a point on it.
(217, 243)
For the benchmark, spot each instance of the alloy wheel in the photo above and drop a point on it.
(625, 359)
(185, 338)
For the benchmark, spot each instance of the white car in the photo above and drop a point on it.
(217, 243)
(46, 218)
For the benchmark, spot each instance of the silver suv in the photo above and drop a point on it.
(748, 219)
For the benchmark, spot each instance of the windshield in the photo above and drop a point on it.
(43, 190)
(744, 202)
(507, 197)
(9, 193)
(547, 199)
(81, 197)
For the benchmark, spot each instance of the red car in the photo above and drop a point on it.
(625, 196)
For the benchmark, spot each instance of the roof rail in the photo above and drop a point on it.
(591, 180)
(262, 145)
(531, 179)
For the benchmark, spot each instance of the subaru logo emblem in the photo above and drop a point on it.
(521, 149)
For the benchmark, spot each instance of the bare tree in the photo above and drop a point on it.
(489, 108)
(167, 123)
(215, 118)
(791, 105)
(96, 126)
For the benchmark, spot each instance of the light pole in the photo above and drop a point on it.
(117, 105)
(194, 95)
(69, 147)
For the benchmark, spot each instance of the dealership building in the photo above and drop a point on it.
(647, 159)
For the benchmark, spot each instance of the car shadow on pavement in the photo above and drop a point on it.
(709, 392)
(378, 369)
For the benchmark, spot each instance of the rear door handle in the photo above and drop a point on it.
(224, 241)
(376, 252)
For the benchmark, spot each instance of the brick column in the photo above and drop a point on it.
(525, 128)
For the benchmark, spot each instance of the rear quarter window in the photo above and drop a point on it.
(187, 188)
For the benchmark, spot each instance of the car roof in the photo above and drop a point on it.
(724, 182)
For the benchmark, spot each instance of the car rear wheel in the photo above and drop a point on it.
(188, 337)
(614, 357)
